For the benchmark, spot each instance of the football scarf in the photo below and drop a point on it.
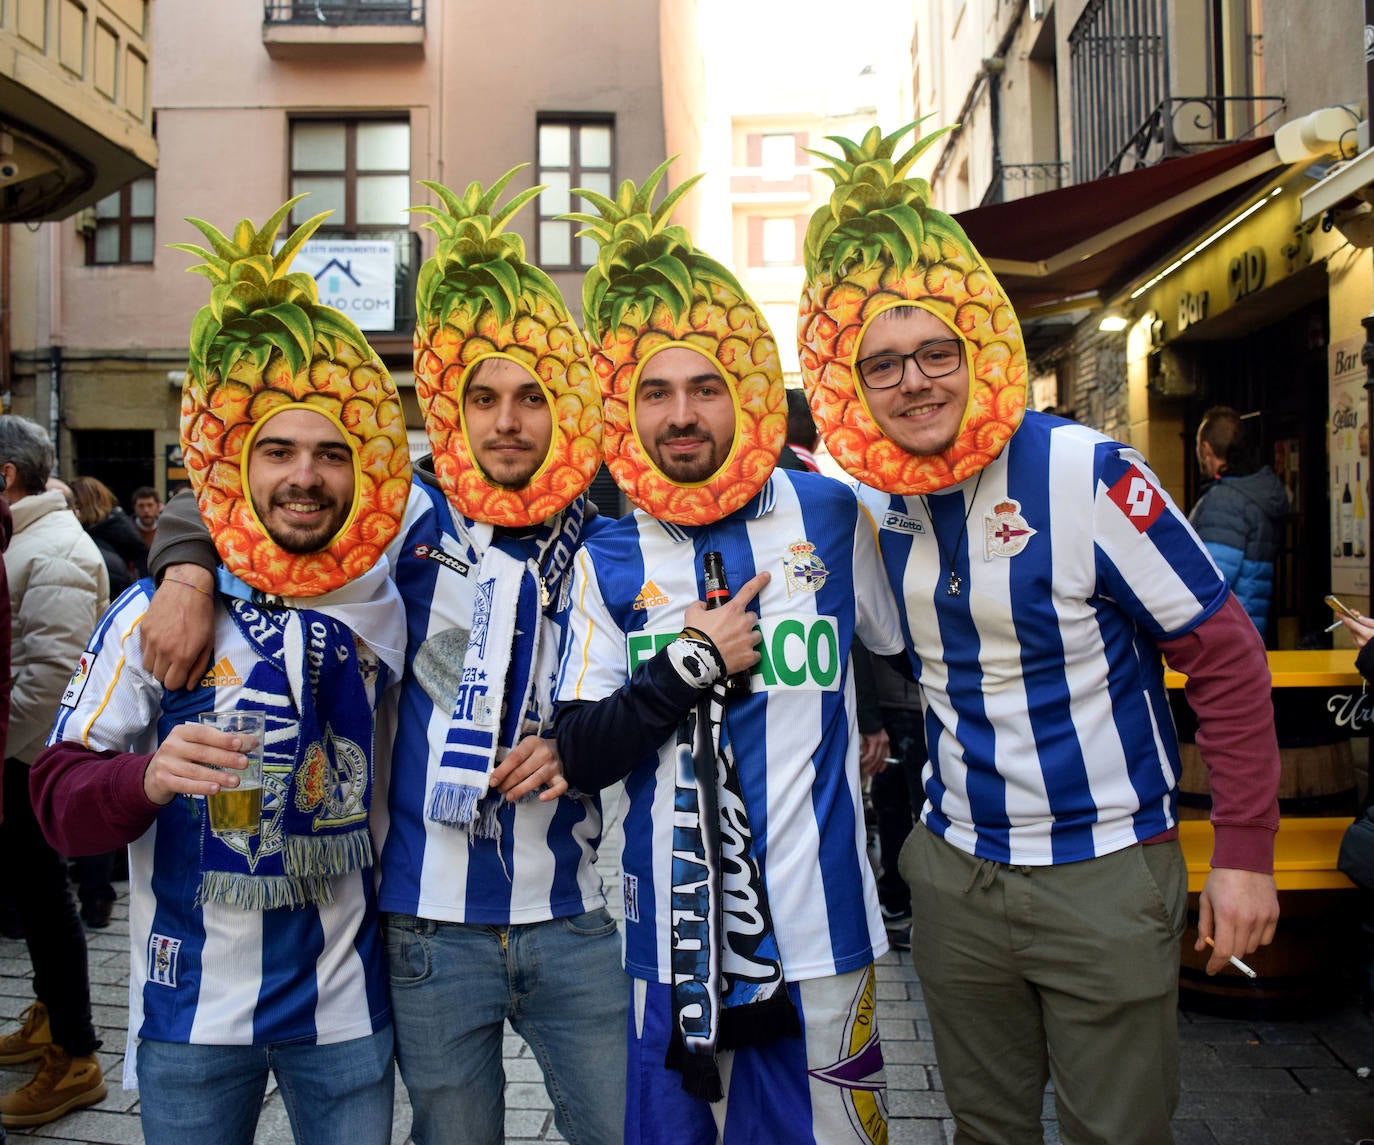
(728, 988)
(317, 774)
(500, 668)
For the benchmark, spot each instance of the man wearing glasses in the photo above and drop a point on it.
(1044, 578)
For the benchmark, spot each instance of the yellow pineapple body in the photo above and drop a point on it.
(692, 302)
(879, 244)
(476, 299)
(269, 347)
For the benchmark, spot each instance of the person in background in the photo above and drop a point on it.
(147, 507)
(125, 559)
(57, 586)
(896, 792)
(1361, 629)
(114, 534)
(6, 531)
(1239, 512)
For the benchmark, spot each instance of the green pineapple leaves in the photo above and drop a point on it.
(642, 258)
(256, 304)
(477, 263)
(876, 213)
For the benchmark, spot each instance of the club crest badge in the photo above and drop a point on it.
(1005, 532)
(803, 569)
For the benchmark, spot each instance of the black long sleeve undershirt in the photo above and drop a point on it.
(602, 741)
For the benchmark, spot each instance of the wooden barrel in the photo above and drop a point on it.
(1316, 780)
(1310, 965)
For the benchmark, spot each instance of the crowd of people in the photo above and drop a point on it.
(453, 664)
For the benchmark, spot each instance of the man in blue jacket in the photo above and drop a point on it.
(1238, 515)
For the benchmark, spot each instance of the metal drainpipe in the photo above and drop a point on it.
(54, 397)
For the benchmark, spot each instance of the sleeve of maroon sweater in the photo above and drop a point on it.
(1229, 691)
(89, 802)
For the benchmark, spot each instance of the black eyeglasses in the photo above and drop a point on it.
(934, 360)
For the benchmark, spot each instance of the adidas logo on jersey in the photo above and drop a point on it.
(650, 596)
(222, 675)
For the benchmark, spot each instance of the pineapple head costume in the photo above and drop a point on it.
(265, 344)
(477, 299)
(651, 290)
(877, 244)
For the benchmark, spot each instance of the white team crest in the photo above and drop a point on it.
(804, 570)
(1005, 532)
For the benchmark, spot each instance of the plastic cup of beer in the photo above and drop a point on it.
(238, 810)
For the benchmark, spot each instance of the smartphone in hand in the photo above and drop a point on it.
(1340, 608)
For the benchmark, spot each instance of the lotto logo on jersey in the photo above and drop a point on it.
(1137, 498)
(794, 653)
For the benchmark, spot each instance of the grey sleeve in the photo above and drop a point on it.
(182, 537)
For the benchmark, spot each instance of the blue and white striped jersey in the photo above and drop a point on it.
(217, 974)
(542, 866)
(1048, 727)
(794, 739)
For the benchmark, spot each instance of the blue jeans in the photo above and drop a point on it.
(211, 1095)
(560, 985)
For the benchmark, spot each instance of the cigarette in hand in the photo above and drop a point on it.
(1234, 961)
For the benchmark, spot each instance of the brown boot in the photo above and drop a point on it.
(61, 1084)
(27, 1042)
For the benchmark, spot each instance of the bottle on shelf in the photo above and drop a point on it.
(1347, 518)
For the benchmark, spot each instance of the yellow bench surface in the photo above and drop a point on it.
(1304, 853)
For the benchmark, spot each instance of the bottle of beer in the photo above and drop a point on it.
(717, 595)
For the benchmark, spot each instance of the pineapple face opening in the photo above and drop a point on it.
(507, 421)
(923, 415)
(685, 414)
(302, 472)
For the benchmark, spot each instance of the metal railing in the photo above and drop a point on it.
(1183, 124)
(1118, 52)
(1018, 180)
(344, 12)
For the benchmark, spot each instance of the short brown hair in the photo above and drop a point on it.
(1224, 431)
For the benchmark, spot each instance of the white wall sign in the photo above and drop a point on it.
(355, 276)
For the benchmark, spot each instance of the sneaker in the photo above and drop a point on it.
(899, 939)
(61, 1084)
(29, 1041)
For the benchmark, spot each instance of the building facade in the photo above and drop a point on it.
(351, 103)
(1134, 170)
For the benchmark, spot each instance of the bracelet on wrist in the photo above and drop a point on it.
(187, 583)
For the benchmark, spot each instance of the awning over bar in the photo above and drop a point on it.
(1072, 248)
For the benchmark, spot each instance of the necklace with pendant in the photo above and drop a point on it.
(955, 583)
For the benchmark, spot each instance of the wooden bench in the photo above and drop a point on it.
(1304, 853)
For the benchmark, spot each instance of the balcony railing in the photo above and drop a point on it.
(1018, 180)
(1186, 124)
(344, 13)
